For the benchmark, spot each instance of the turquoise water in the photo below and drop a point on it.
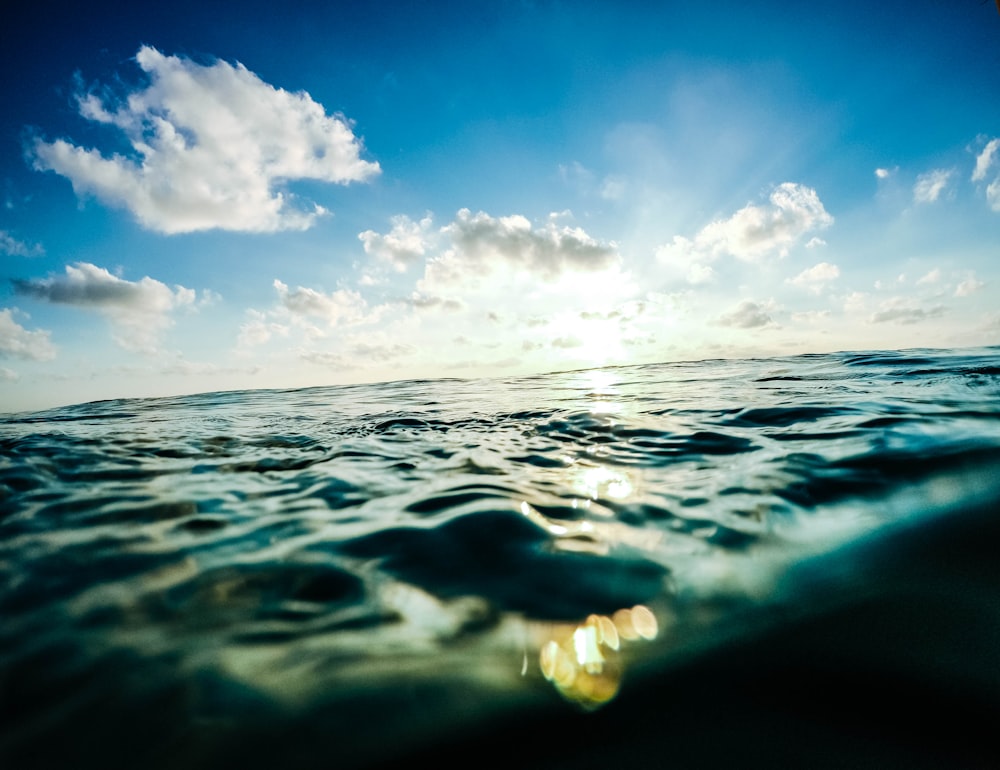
(194, 581)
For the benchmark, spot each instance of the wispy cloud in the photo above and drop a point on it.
(985, 160)
(212, 144)
(816, 278)
(11, 246)
(18, 342)
(139, 310)
(931, 185)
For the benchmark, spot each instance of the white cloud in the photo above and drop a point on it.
(210, 146)
(985, 160)
(903, 311)
(812, 316)
(379, 353)
(933, 276)
(929, 186)
(755, 231)
(480, 240)
(403, 245)
(815, 242)
(18, 342)
(13, 247)
(993, 195)
(883, 173)
(816, 277)
(139, 310)
(567, 343)
(698, 274)
(336, 308)
(259, 330)
(969, 286)
(613, 187)
(8, 375)
(747, 315)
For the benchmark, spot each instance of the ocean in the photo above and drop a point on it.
(783, 561)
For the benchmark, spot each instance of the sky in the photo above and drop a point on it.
(213, 196)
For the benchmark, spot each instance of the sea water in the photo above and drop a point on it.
(206, 580)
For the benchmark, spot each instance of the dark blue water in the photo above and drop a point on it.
(377, 567)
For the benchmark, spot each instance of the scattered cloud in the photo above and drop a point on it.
(259, 329)
(755, 231)
(330, 360)
(816, 277)
(812, 316)
(12, 247)
(380, 353)
(336, 308)
(884, 173)
(567, 343)
(480, 240)
(985, 160)
(815, 242)
(139, 310)
(969, 286)
(931, 185)
(211, 146)
(18, 342)
(403, 245)
(420, 302)
(747, 315)
(933, 276)
(903, 311)
(993, 194)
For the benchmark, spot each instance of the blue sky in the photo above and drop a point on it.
(282, 195)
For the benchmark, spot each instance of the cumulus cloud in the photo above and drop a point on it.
(211, 146)
(755, 231)
(403, 245)
(932, 276)
(304, 313)
(816, 277)
(931, 185)
(969, 286)
(547, 250)
(259, 329)
(13, 247)
(747, 315)
(883, 173)
(902, 311)
(985, 160)
(139, 310)
(339, 307)
(18, 342)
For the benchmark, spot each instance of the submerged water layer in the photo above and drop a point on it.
(389, 562)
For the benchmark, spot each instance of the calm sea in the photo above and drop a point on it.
(347, 576)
